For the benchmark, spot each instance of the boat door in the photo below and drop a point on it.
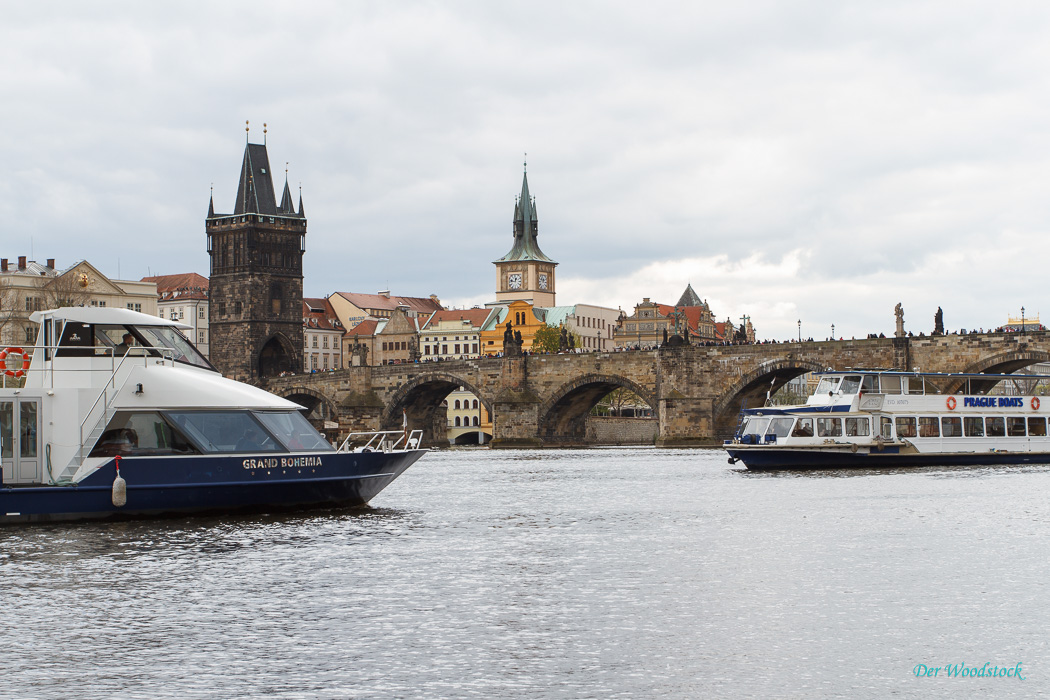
(20, 441)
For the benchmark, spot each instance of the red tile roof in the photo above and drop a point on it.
(318, 313)
(188, 285)
(476, 316)
(389, 303)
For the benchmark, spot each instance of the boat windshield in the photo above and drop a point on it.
(850, 384)
(827, 385)
(294, 431)
(755, 425)
(168, 337)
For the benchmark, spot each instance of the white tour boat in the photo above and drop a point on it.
(884, 418)
(95, 426)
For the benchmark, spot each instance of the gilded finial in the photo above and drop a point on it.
(526, 163)
(264, 133)
(246, 131)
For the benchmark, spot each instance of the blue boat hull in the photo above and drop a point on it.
(159, 486)
(889, 458)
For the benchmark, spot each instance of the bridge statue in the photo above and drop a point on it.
(899, 312)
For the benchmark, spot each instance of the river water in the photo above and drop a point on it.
(601, 573)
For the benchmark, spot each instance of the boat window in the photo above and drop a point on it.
(829, 427)
(974, 426)
(779, 427)
(145, 433)
(1015, 426)
(857, 427)
(76, 340)
(294, 431)
(225, 431)
(803, 428)
(169, 337)
(951, 426)
(886, 427)
(869, 385)
(850, 384)
(891, 384)
(827, 385)
(1036, 426)
(914, 385)
(928, 427)
(755, 425)
(905, 427)
(996, 427)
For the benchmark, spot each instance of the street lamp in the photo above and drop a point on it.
(800, 330)
(832, 331)
(1022, 321)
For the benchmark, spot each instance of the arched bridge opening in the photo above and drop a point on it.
(1005, 363)
(754, 389)
(563, 417)
(317, 408)
(421, 403)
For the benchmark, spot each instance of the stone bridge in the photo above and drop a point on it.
(696, 391)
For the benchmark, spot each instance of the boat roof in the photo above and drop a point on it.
(106, 315)
(954, 375)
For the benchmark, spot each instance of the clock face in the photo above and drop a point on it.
(543, 280)
(514, 280)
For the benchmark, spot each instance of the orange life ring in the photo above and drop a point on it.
(1035, 403)
(951, 403)
(14, 372)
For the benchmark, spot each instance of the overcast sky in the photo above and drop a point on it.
(813, 161)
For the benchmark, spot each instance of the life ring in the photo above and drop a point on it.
(14, 372)
(1035, 403)
(950, 403)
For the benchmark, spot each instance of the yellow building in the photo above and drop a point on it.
(523, 318)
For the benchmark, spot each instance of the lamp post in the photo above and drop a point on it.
(832, 331)
(800, 330)
(1022, 321)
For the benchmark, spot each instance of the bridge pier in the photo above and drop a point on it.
(686, 422)
(516, 409)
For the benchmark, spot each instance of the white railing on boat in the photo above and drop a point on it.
(382, 441)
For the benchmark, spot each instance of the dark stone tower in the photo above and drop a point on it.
(257, 277)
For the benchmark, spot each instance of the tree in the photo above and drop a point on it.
(547, 339)
(69, 289)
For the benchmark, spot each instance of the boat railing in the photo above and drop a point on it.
(382, 441)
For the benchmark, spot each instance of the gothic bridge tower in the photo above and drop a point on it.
(525, 273)
(256, 294)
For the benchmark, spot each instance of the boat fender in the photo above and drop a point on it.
(732, 460)
(853, 448)
(120, 488)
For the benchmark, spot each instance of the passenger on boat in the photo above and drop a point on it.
(123, 348)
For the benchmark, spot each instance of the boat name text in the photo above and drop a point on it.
(991, 401)
(281, 462)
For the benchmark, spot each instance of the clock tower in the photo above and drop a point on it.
(525, 273)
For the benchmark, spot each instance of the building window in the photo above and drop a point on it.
(324, 342)
(457, 404)
(325, 359)
(457, 348)
(475, 348)
(426, 349)
(444, 349)
(475, 403)
(200, 338)
(314, 339)
(457, 421)
(475, 419)
(200, 312)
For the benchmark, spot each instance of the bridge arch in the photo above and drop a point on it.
(562, 417)
(769, 377)
(1003, 363)
(318, 406)
(421, 398)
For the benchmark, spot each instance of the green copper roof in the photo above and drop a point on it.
(525, 245)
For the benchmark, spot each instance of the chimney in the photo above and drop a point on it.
(21, 262)
(3, 264)
(51, 263)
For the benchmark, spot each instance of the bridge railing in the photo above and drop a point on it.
(382, 441)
